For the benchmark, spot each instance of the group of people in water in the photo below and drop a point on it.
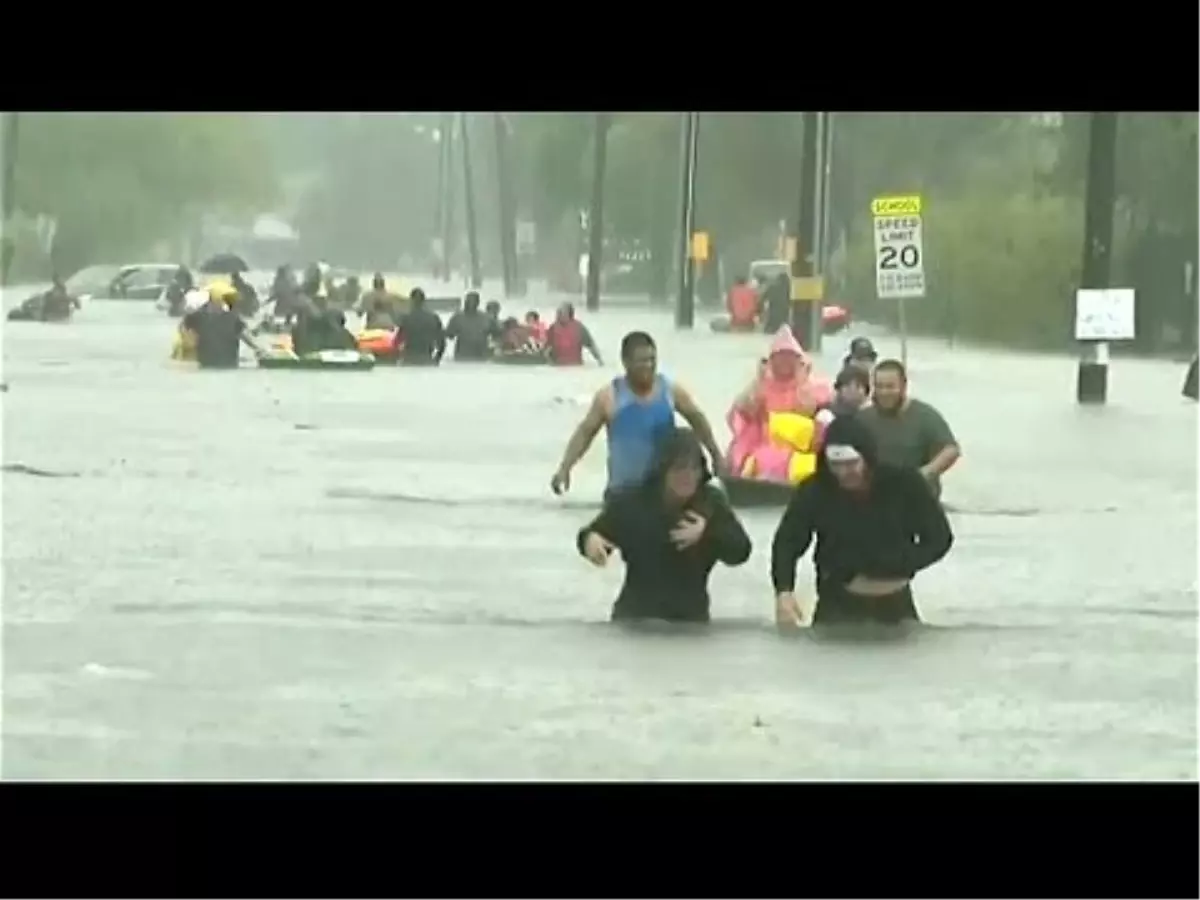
(870, 503)
(866, 470)
(311, 310)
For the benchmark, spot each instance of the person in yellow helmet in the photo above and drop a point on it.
(218, 330)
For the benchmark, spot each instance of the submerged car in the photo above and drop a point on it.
(135, 281)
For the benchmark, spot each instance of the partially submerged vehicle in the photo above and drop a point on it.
(132, 281)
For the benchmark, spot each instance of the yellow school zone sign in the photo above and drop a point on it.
(900, 205)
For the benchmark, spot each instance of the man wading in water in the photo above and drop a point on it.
(908, 432)
(637, 409)
(671, 530)
(876, 527)
(218, 329)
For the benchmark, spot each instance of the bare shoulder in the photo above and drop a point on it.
(604, 401)
(680, 394)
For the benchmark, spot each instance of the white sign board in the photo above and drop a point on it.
(899, 257)
(526, 238)
(1104, 314)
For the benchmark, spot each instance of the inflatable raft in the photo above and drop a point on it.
(323, 361)
(724, 325)
(833, 320)
(770, 459)
(520, 359)
(381, 342)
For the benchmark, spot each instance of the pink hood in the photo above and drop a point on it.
(803, 393)
(785, 342)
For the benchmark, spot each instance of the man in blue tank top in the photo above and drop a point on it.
(637, 409)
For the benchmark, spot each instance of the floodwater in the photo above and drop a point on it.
(364, 575)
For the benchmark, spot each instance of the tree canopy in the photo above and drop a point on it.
(117, 183)
(988, 178)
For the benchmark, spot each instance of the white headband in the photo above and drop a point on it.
(842, 453)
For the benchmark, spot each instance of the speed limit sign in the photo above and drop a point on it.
(899, 250)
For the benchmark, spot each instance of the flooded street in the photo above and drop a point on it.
(364, 575)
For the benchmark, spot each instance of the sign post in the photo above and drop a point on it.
(1103, 315)
(899, 255)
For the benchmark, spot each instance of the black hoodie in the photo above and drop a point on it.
(894, 529)
(662, 582)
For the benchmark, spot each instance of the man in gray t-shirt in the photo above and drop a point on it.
(910, 432)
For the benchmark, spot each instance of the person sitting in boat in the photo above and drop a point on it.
(323, 329)
(516, 338)
(382, 308)
(742, 306)
(775, 423)
(537, 328)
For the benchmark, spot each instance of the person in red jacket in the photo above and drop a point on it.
(742, 304)
(567, 338)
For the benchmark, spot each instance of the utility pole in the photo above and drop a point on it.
(469, 201)
(685, 301)
(439, 213)
(827, 194)
(596, 216)
(1091, 384)
(504, 204)
(449, 198)
(8, 246)
(818, 245)
(1195, 237)
(806, 312)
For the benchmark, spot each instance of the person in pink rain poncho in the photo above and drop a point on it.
(775, 422)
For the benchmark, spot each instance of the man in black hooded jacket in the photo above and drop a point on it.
(876, 527)
(671, 530)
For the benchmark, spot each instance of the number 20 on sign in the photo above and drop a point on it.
(899, 249)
